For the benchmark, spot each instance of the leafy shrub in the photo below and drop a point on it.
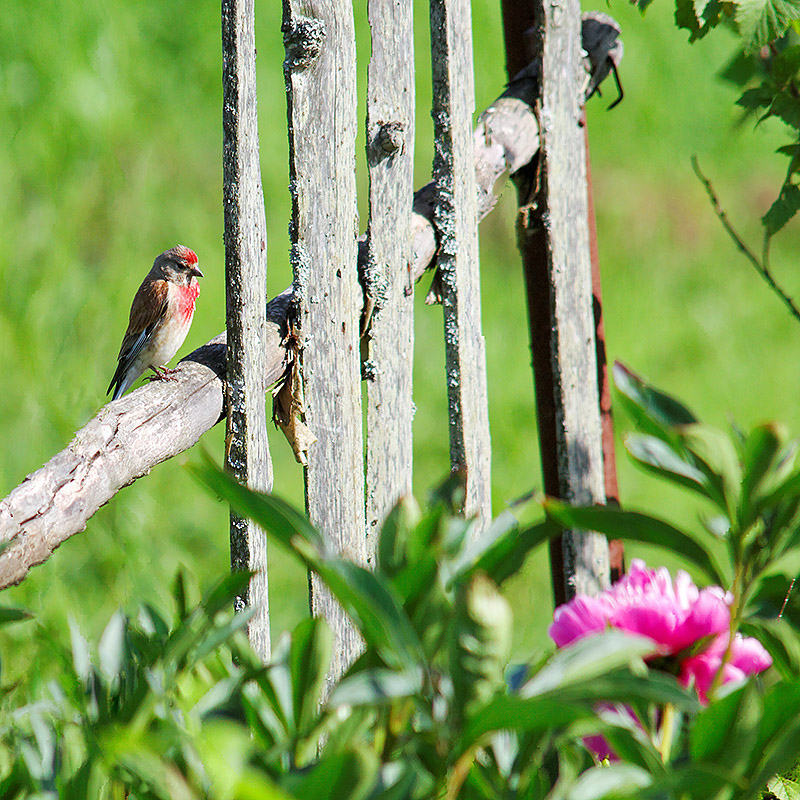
(431, 708)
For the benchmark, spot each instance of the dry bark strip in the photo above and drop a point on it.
(130, 436)
(386, 276)
(246, 446)
(456, 217)
(320, 71)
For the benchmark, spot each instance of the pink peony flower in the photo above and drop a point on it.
(646, 602)
(689, 626)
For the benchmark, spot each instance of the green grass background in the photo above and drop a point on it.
(110, 151)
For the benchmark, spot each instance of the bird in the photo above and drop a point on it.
(161, 314)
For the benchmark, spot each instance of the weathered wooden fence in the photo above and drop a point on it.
(349, 313)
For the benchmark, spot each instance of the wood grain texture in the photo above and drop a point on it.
(564, 216)
(456, 216)
(386, 273)
(159, 420)
(247, 450)
(320, 71)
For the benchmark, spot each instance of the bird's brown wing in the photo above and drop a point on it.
(148, 309)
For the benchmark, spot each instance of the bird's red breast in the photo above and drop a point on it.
(184, 300)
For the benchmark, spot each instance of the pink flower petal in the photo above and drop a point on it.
(578, 618)
(749, 655)
(708, 616)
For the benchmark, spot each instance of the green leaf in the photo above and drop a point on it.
(612, 781)
(785, 64)
(395, 533)
(500, 550)
(633, 526)
(573, 695)
(111, 648)
(223, 594)
(81, 658)
(217, 697)
(10, 614)
(715, 454)
(375, 687)
(780, 641)
(661, 408)
(725, 731)
(762, 452)
(289, 527)
(779, 755)
(784, 208)
(783, 788)
(532, 715)
(686, 16)
(179, 593)
(376, 611)
(781, 708)
(401, 781)
(759, 97)
(741, 69)
(480, 643)
(309, 659)
(345, 776)
(662, 459)
(695, 781)
(621, 686)
(219, 634)
(588, 658)
(152, 623)
(763, 21)
(451, 492)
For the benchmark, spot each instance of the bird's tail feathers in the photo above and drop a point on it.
(123, 380)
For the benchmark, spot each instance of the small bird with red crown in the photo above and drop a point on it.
(161, 315)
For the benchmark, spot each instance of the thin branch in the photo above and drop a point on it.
(761, 266)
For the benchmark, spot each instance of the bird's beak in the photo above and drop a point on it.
(195, 270)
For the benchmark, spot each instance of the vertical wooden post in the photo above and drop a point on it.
(458, 262)
(387, 279)
(320, 70)
(247, 450)
(554, 238)
(564, 219)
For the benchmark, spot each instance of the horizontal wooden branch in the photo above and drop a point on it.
(130, 436)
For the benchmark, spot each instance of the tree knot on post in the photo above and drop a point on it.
(388, 139)
(302, 40)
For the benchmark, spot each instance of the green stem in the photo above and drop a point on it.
(459, 773)
(762, 267)
(667, 732)
(736, 590)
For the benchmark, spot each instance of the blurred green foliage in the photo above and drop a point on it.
(110, 151)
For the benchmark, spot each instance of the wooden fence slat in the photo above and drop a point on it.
(320, 70)
(247, 449)
(458, 263)
(386, 271)
(573, 363)
(155, 422)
